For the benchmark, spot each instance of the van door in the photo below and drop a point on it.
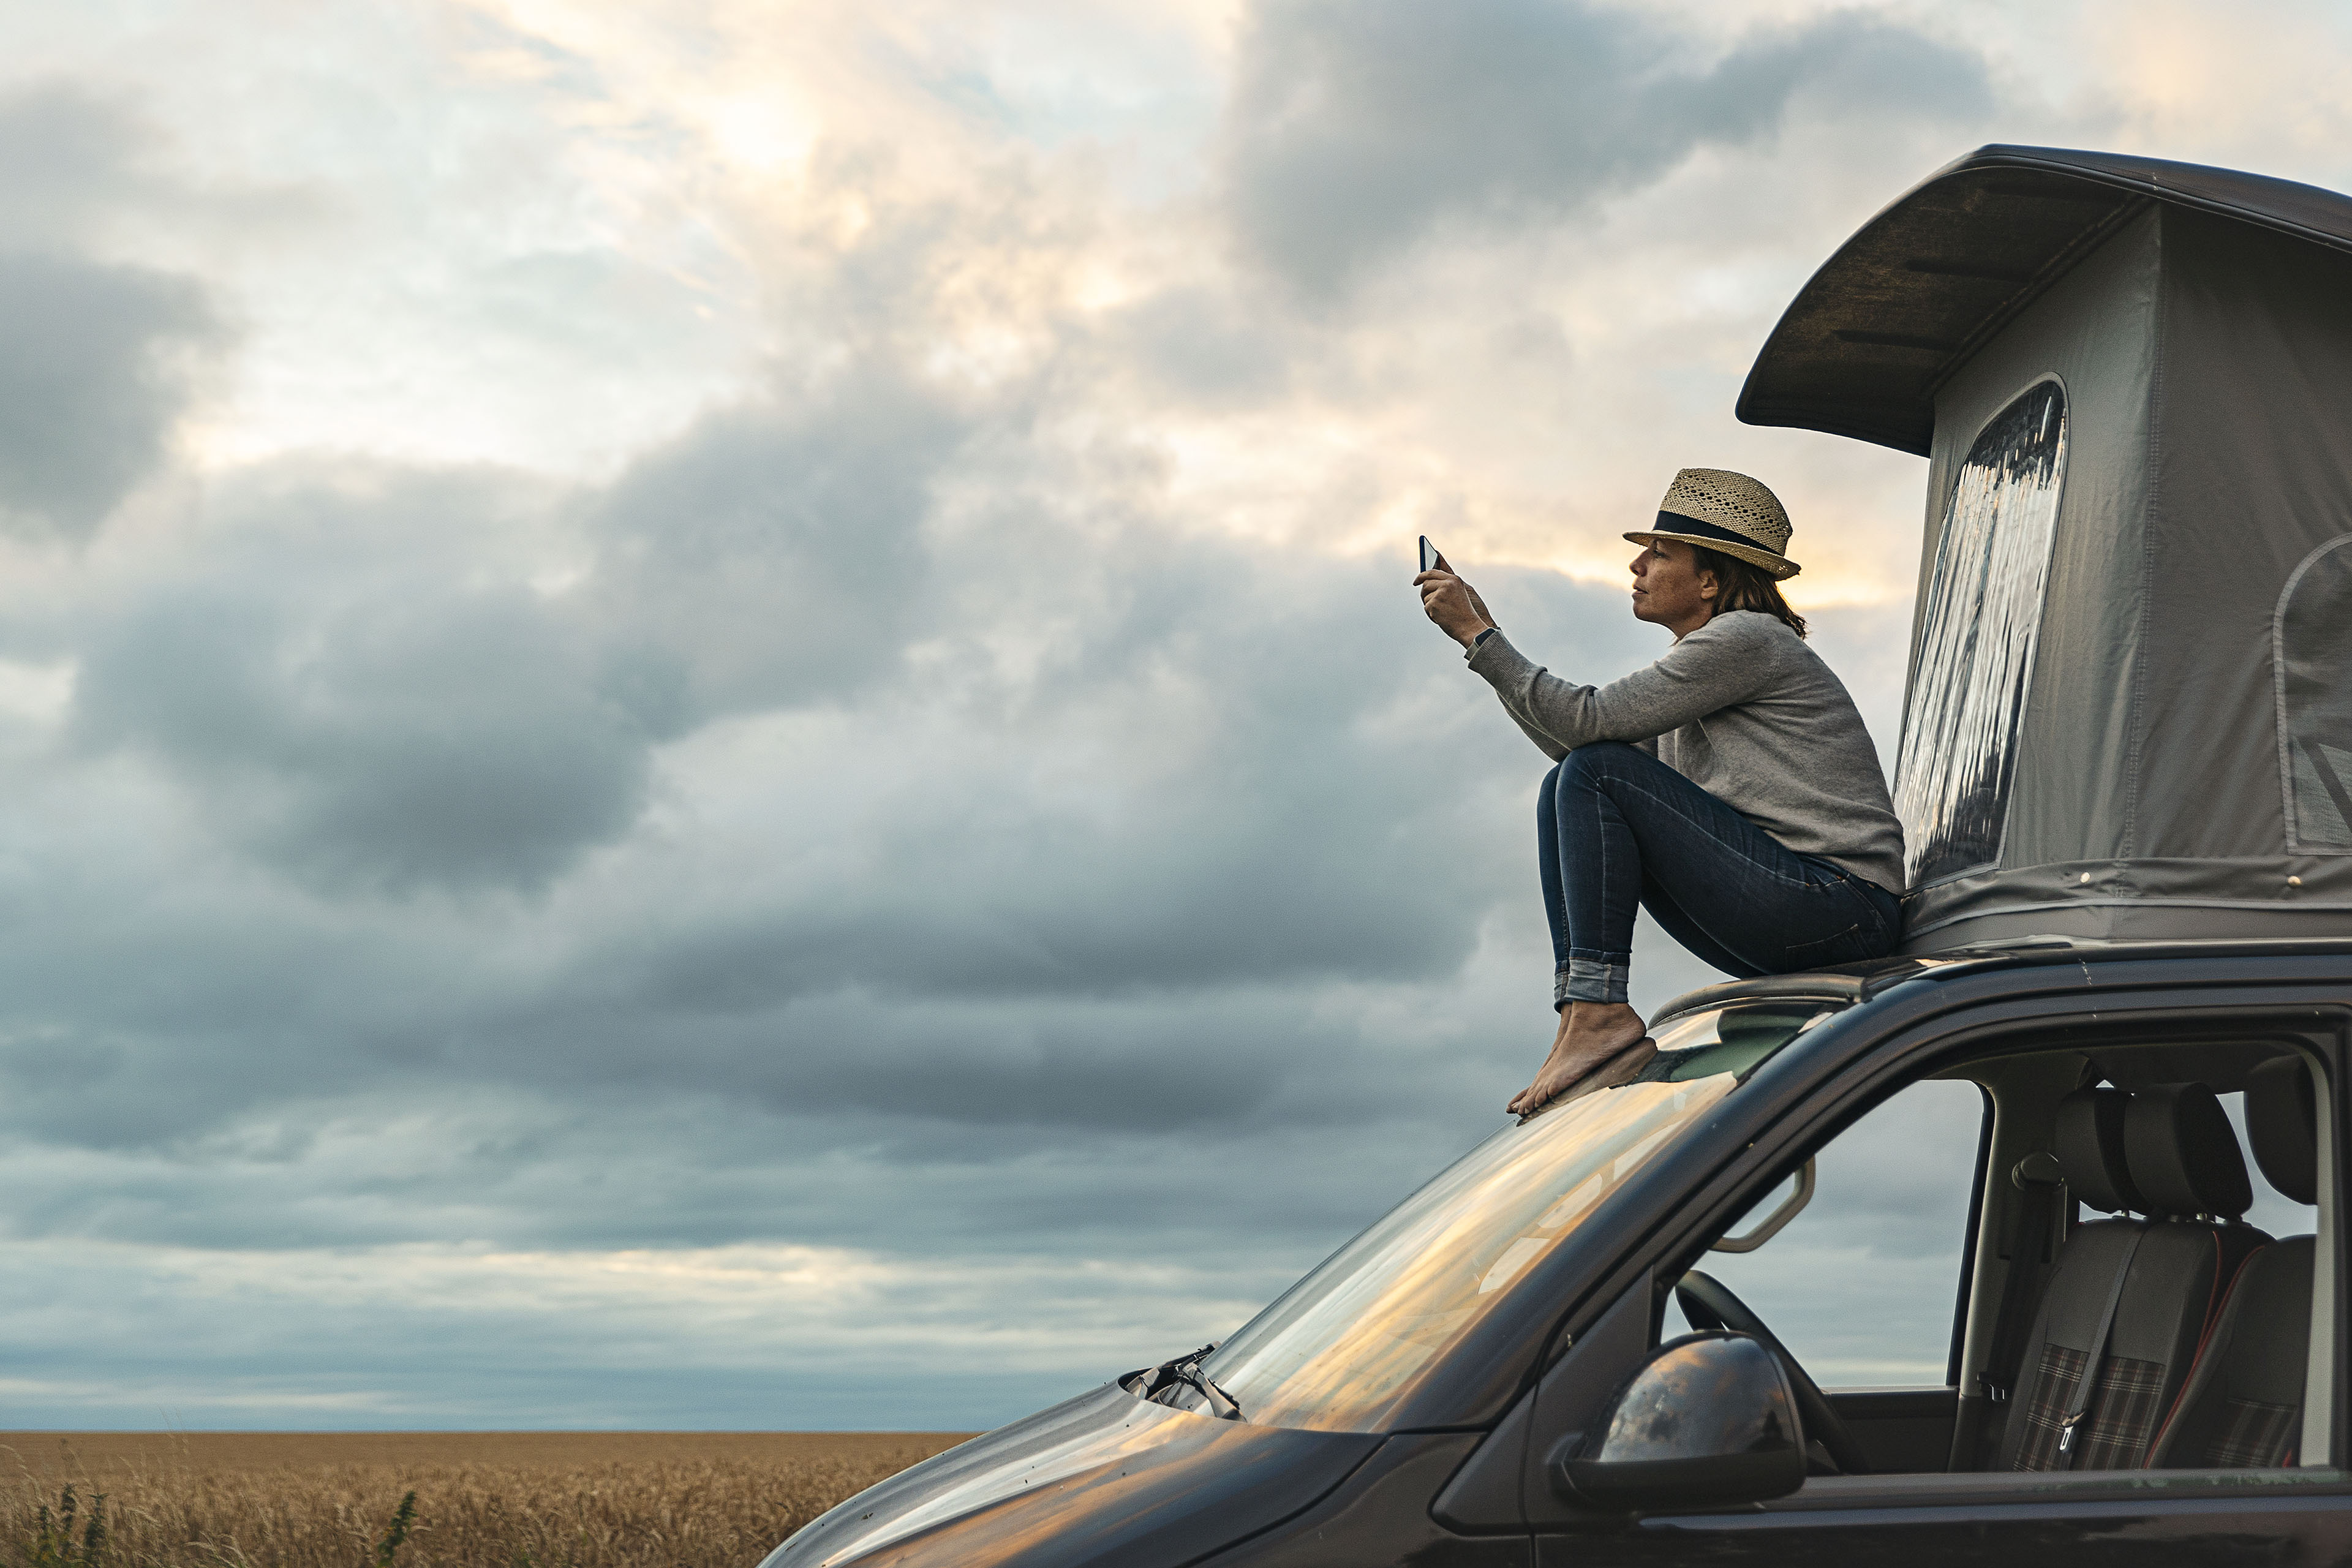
(2228, 1502)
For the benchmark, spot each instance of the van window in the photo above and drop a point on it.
(1340, 1347)
(2150, 1284)
(1977, 636)
(2313, 659)
(1888, 1223)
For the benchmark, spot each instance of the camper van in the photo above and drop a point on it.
(2126, 780)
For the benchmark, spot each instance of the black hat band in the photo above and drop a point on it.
(1676, 522)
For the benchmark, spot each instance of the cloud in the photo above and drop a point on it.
(720, 1337)
(70, 158)
(772, 555)
(94, 374)
(96, 358)
(1211, 728)
(364, 700)
(1203, 346)
(1072, 830)
(357, 699)
(927, 844)
(1228, 772)
(1359, 127)
(905, 845)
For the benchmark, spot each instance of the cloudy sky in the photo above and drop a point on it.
(710, 714)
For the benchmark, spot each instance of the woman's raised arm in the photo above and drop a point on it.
(1725, 661)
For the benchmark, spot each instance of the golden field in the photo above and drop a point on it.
(483, 1499)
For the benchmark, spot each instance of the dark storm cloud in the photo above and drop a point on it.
(1284, 833)
(1091, 900)
(1088, 895)
(333, 674)
(770, 555)
(1358, 126)
(1223, 768)
(875, 818)
(1242, 843)
(1087, 972)
(95, 358)
(356, 699)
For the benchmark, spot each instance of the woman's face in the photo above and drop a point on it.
(1669, 590)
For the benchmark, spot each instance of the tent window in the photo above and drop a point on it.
(1977, 637)
(2313, 659)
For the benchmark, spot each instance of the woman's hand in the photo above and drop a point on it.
(1453, 605)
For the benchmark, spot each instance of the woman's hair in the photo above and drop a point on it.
(1741, 586)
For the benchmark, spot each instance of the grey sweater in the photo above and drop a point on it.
(1744, 710)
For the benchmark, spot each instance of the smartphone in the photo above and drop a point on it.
(1430, 560)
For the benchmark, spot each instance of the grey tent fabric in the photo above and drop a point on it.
(2129, 710)
(2314, 660)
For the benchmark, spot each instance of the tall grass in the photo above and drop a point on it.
(594, 1501)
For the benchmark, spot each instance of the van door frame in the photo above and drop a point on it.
(1847, 1090)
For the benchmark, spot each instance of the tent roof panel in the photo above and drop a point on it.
(1863, 348)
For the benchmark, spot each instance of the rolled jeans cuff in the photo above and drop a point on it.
(1591, 980)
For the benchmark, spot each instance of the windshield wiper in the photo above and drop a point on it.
(1186, 1369)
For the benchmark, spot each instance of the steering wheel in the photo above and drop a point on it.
(1706, 1304)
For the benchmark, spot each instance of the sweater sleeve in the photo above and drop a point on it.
(1544, 743)
(1723, 663)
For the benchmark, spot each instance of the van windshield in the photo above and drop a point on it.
(1337, 1351)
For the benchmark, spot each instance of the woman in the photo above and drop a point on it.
(1729, 788)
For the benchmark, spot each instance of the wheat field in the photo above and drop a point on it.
(481, 1499)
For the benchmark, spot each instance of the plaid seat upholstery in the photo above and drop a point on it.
(2253, 1436)
(2117, 1425)
(2044, 1410)
(2147, 1290)
(2121, 1422)
(2244, 1406)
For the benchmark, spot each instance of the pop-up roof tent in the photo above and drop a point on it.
(2129, 709)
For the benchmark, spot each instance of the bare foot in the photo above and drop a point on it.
(1624, 1068)
(1591, 1035)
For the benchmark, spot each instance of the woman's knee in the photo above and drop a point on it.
(1598, 759)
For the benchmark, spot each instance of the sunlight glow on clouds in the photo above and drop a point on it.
(567, 1338)
(711, 713)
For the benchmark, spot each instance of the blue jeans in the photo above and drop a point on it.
(1615, 826)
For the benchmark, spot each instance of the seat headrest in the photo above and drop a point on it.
(2183, 1153)
(2088, 1139)
(2283, 1125)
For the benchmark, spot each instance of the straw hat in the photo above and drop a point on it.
(1718, 509)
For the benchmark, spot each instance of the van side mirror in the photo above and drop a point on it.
(1709, 1420)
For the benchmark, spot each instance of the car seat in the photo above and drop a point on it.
(2129, 1300)
(2243, 1405)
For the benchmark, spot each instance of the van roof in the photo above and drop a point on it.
(1862, 981)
